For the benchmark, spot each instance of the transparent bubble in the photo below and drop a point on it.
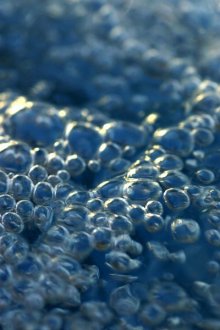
(169, 162)
(94, 165)
(7, 203)
(53, 180)
(63, 175)
(142, 190)
(175, 140)
(5, 275)
(155, 152)
(16, 252)
(43, 217)
(154, 207)
(213, 267)
(96, 310)
(57, 235)
(84, 139)
(54, 163)
(124, 243)
(75, 165)
(36, 123)
(117, 205)
(42, 193)
(185, 230)
(4, 183)
(94, 204)
(213, 237)
(75, 217)
(153, 223)
(12, 222)
(169, 296)
(137, 214)
(123, 302)
(121, 225)
(203, 137)
(25, 209)
(15, 157)
(40, 156)
(21, 187)
(213, 217)
(30, 266)
(80, 245)
(205, 176)
(152, 314)
(77, 197)
(176, 199)
(121, 262)
(62, 190)
(109, 189)
(143, 172)
(124, 133)
(37, 173)
(119, 165)
(173, 179)
(109, 151)
(102, 238)
(159, 251)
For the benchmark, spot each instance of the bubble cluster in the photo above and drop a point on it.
(109, 165)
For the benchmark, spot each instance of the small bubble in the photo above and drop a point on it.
(185, 230)
(213, 237)
(37, 173)
(176, 199)
(153, 223)
(12, 222)
(42, 193)
(205, 176)
(21, 187)
(154, 207)
(142, 190)
(123, 302)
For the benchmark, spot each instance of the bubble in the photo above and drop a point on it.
(63, 175)
(117, 205)
(176, 199)
(119, 165)
(21, 187)
(4, 183)
(94, 165)
(152, 314)
(109, 189)
(169, 162)
(185, 230)
(30, 266)
(124, 133)
(170, 296)
(62, 190)
(142, 190)
(143, 172)
(97, 310)
(54, 163)
(213, 267)
(213, 217)
(84, 139)
(153, 223)
(43, 217)
(35, 123)
(154, 207)
(25, 209)
(80, 245)
(75, 217)
(121, 262)
(121, 225)
(40, 156)
(7, 203)
(213, 237)
(75, 165)
(57, 235)
(12, 222)
(102, 238)
(124, 243)
(123, 302)
(203, 137)
(15, 157)
(159, 251)
(175, 140)
(109, 151)
(77, 197)
(155, 152)
(173, 179)
(42, 193)
(205, 176)
(37, 173)
(53, 180)
(137, 214)
(94, 204)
